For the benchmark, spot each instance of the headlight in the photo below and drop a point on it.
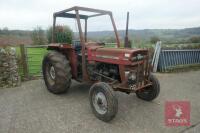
(132, 78)
(127, 55)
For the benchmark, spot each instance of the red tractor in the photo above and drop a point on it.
(109, 69)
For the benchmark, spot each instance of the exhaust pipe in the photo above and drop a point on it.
(126, 41)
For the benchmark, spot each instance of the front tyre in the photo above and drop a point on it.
(103, 102)
(151, 92)
(56, 72)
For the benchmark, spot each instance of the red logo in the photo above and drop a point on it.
(177, 113)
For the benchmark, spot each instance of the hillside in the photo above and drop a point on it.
(165, 35)
(15, 37)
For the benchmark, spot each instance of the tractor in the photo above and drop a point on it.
(106, 69)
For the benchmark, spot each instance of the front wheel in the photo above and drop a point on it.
(103, 102)
(151, 92)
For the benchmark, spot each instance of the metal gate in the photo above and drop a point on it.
(168, 59)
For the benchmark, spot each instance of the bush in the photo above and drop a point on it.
(38, 36)
(195, 39)
(63, 34)
(4, 31)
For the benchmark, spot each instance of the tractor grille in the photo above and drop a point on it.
(141, 68)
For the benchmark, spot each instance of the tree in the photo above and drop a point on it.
(154, 39)
(63, 34)
(38, 36)
(195, 39)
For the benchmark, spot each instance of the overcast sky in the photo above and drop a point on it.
(144, 14)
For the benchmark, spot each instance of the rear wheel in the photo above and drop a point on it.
(103, 102)
(151, 92)
(56, 72)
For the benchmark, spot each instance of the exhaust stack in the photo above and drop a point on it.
(126, 41)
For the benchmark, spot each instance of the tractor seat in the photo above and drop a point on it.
(77, 46)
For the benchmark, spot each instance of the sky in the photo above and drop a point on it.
(144, 14)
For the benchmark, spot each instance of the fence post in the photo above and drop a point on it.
(24, 61)
(156, 56)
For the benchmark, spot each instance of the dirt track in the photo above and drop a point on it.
(31, 108)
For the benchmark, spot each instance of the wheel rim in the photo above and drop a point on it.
(52, 73)
(100, 103)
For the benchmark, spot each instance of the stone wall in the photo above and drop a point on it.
(9, 76)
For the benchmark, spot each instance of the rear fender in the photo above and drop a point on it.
(70, 54)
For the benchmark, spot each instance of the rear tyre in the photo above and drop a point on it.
(56, 72)
(103, 102)
(151, 92)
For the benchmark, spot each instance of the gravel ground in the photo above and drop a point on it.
(32, 109)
